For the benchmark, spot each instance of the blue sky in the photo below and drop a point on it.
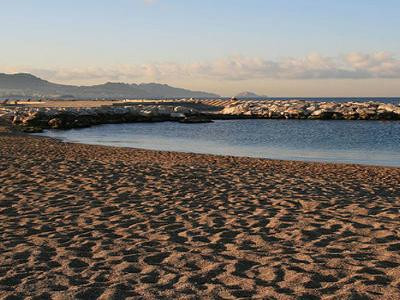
(285, 47)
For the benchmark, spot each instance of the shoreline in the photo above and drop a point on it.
(85, 221)
(10, 129)
(162, 137)
(59, 139)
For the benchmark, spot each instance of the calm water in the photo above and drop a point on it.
(364, 142)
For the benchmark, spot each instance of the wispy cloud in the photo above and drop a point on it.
(313, 66)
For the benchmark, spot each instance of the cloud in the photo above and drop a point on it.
(313, 66)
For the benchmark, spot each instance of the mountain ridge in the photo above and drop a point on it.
(26, 85)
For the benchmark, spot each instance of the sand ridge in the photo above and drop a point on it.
(80, 221)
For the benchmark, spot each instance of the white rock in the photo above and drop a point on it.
(177, 115)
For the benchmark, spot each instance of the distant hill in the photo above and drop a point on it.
(25, 85)
(245, 95)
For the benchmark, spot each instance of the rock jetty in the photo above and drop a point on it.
(31, 119)
(37, 119)
(297, 109)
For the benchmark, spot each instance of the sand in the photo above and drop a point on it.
(80, 221)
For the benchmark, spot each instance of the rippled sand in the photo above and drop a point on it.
(80, 221)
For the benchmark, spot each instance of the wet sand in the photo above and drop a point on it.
(80, 221)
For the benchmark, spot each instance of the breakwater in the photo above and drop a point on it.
(33, 119)
(36, 119)
(298, 109)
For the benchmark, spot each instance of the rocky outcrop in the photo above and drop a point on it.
(35, 119)
(247, 95)
(296, 109)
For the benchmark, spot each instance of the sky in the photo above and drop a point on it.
(307, 48)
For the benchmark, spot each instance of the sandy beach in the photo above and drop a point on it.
(86, 222)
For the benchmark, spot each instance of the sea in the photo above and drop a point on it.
(336, 141)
